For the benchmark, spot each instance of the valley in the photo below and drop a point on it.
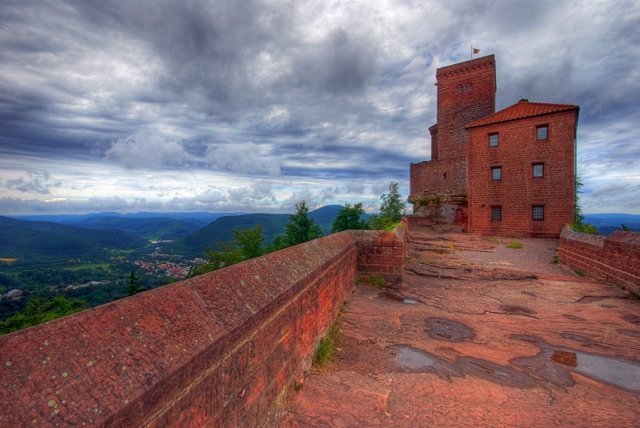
(93, 257)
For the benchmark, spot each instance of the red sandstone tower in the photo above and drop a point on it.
(507, 172)
(466, 92)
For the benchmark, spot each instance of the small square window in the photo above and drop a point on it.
(537, 212)
(538, 170)
(542, 132)
(496, 212)
(493, 140)
(496, 173)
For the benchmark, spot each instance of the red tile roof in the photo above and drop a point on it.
(521, 110)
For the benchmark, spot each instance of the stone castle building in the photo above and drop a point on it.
(510, 172)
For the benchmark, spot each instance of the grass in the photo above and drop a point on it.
(514, 245)
(375, 280)
(326, 348)
(82, 266)
(392, 226)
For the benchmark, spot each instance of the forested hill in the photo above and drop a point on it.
(26, 239)
(149, 228)
(221, 229)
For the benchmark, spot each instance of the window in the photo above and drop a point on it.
(459, 90)
(496, 212)
(493, 140)
(538, 170)
(469, 87)
(537, 212)
(496, 173)
(542, 132)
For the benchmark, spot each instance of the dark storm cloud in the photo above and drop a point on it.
(36, 181)
(297, 89)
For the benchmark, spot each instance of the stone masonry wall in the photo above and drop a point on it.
(443, 176)
(381, 254)
(517, 190)
(614, 259)
(214, 350)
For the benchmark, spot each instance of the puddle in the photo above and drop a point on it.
(555, 363)
(414, 360)
(632, 333)
(573, 317)
(453, 331)
(516, 310)
(577, 338)
(544, 367)
(397, 297)
(591, 299)
(496, 373)
(633, 319)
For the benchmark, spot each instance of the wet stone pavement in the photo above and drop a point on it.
(479, 334)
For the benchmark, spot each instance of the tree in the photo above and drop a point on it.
(250, 242)
(40, 310)
(579, 225)
(246, 245)
(133, 286)
(349, 218)
(301, 228)
(392, 203)
(390, 209)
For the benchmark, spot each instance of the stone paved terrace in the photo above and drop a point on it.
(479, 334)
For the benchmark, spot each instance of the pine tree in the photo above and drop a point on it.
(349, 218)
(301, 228)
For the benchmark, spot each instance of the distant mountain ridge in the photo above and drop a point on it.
(26, 239)
(221, 229)
(155, 228)
(609, 222)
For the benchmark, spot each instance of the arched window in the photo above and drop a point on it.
(459, 90)
(469, 88)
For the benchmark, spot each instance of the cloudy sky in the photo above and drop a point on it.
(243, 105)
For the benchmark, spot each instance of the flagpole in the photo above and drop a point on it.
(471, 53)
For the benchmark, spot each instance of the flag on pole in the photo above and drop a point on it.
(476, 51)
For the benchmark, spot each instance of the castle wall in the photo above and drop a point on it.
(214, 350)
(446, 178)
(442, 176)
(614, 259)
(517, 190)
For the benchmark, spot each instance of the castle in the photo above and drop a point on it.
(510, 172)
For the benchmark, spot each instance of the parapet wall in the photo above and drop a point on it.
(214, 350)
(614, 258)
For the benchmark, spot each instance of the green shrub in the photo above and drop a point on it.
(375, 280)
(326, 348)
(585, 228)
(514, 245)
